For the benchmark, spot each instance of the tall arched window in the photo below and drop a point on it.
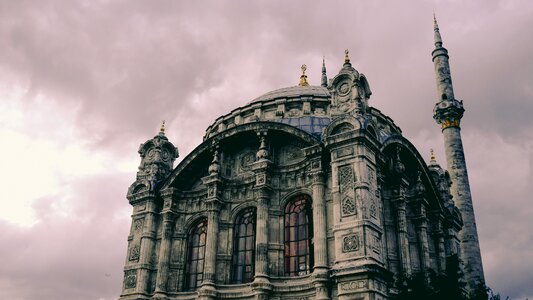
(194, 271)
(298, 235)
(244, 247)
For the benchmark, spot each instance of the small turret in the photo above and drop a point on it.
(157, 160)
(349, 90)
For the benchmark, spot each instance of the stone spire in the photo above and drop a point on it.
(324, 82)
(448, 112)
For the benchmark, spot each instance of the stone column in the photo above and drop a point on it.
(320, 271)
(403, 240)
(421, 230)
(213, 205)
(164, 254)
(261, 240)
(208, 288)
(261, 284)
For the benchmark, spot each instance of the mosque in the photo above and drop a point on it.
(306, 192)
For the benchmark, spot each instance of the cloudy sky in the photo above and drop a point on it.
(83, 83)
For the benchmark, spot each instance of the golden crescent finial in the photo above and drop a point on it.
(433, 159)
(303, 78)
(346, 56)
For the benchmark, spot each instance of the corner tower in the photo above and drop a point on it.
(448, 112)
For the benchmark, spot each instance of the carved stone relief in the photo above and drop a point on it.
(373, 208)
(348, 206)
(350, 243)
(353, 285)
(135, 252)
(246, 160)
(138, 224)
(346, 182)
(130, 279)
(376, 244)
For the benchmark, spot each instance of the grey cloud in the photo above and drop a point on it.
(74, 256)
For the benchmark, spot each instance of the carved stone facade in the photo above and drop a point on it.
(339, 204)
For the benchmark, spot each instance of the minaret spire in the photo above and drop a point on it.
(448, 112)
(438, 38)
(324, 82)
(442, 67)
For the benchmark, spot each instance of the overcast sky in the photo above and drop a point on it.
(83, 83)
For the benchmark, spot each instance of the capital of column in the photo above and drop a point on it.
(448, 113)
(317, 177)
(168, 198)
(213, 204)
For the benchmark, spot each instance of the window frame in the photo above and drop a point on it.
(249, 254)
(199, 228)
(298, 248)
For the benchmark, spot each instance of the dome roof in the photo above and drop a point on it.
(293, 92)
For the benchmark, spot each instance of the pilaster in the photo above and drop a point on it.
(214, 183)
(262, 192)
(139, 267)
(321, 269)
(169, 217)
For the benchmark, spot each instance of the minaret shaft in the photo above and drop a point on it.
(448, 113)
(460, 189)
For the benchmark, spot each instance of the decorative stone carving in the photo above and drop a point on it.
(346, 182)
(348, 206)
(371, 176)
(353, 285)
(350, 243)
(130, 279)
(260, 179)
(373, 209)
(246, 160)
(135, 252)
(376, 244)
(138, 224)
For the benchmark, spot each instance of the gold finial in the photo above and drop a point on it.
(433, 159)
(346, 57)
(303, 78)
(162, 130)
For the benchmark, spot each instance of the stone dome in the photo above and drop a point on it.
(293, 92)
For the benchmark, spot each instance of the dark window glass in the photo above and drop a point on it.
(195, 255)
(244, 247)
(298, 235)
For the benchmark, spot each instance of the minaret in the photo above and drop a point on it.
(324, 82)
(448, 113)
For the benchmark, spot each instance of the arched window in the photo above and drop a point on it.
(194, 271)
(298, 235)
(244, 247)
